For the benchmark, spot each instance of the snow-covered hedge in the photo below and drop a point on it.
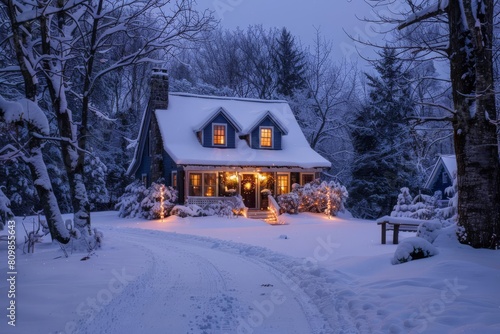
(320, 197)
(412, 249)
(139, 201)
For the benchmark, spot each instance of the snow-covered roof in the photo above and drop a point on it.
(186, 112)
(449, 162)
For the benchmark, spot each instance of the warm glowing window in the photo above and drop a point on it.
(266, 137)
(210, 183)
(195, 184)
(219, 134)
(174, 180)
(282, 184)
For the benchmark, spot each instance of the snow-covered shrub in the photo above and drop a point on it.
(129, 204)
(289, 203)
(184, 211)
(413, 249)
(320, 197)
(158, 201)
(5, 212)
(420, 207)
(139, 201)
(429, 230)
(95, 181)
(402, 207)
(238, 206)
(451, 211)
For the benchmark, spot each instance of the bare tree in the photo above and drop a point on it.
(321, 106)
(65, 45)
(465, 37)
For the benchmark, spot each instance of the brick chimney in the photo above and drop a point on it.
(159, 88)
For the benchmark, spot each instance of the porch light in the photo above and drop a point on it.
(262, 177)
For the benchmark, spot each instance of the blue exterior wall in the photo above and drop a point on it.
(438, 182)
(145, 165)
(255, 136)
(170, 166)
(231, 133)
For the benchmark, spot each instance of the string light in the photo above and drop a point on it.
(162, 200)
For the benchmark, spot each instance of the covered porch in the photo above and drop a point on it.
(203, 186)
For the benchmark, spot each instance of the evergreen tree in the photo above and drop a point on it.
(289, 63)
(381, 140)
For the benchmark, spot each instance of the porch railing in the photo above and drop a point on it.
(273, 206)
(204, 202)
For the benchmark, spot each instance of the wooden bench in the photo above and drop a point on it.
(397, 224)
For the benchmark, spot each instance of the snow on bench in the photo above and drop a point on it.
(397, 224)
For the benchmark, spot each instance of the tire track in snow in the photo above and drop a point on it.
(193, 288)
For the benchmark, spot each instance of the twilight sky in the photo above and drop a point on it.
(300, 17)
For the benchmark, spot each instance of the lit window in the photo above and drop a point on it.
(266, 137)
(210, 183)
(195, 184)
(174, 180)
(282, 184)
(219, 134)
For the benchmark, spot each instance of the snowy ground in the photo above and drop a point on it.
(218, 275)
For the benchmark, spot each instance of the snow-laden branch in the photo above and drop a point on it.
(431, 11)
(24, 110)
(35, 12)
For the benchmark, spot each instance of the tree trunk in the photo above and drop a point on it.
(475, 134)
(40, 176)
(57, 228)
(67, 130)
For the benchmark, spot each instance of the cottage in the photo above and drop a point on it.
(442, 174)
(211, 148)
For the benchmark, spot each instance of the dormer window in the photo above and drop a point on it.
(219, 135)
(266, 137)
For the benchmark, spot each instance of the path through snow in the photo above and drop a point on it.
(197, 286)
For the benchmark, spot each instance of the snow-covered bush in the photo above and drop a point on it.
(420, 207)
(184, 211)
(413, 248)
(158, 201)
(450, 212)
(232, 207)
(402, 207)
(429, 230)
(129, 204)
(289, 203)
(320, 197)
(5, 212)
(95, 181)
(149, 203)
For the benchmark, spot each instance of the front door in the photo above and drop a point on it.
(249, 190)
